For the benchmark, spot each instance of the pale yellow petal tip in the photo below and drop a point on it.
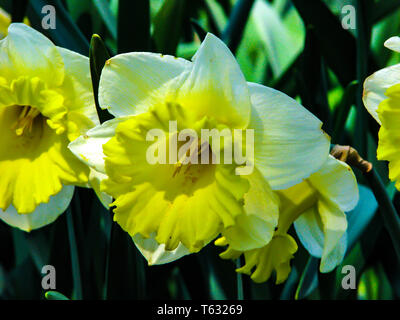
(221, 242)
(323, 269)
(393, 44)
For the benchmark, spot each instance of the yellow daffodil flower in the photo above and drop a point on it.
(317, 208)
(46, 101)
(382, 99)
(184, 204)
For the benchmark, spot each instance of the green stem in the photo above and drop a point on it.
(109, 228)
(76, 273)
(362, 42)
(390, 216)
(239, 281)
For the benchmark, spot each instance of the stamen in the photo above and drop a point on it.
(25, 120)
(189, 157)
(186, 159)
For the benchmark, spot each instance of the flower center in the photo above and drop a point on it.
(195, 154)
(25, 120)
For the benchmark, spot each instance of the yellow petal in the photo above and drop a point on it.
(275, 256)
(389, 133)
(255, 228)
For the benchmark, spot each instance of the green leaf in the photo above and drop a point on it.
(359, 218)
(362, 43)
(390, 216)
(216, 16)
(201, 33)
(54, 295)
(275, 37)
(125, 270)
(77, 8)
(66, 34)
(381, 32)
(289, 289)
(312, 80)
(374, 285)
(21, 250)
(232, 33)
(359, 255)
(342, 111)
(336, 44)
(308, 280)
(133, 26)
(76, 273)
(39, 243)
(109, 19)
(168, 26)
(98, 55)
(381, 9)
(287, 81)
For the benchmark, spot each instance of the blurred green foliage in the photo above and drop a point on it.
(296, 46)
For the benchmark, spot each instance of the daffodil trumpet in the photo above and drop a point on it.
(186, 147)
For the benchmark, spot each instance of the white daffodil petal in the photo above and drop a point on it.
(335, 257)
(375, 87)
(322, 231)
(129, 80)
(215, 86)
(289, 142)
(393, 43)
(89, 147)
(155, 253)
(334, 223)
(43, 215)
(79, 85)
(336, 181)
(309, 230)
(43, 60)
(95, 178)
